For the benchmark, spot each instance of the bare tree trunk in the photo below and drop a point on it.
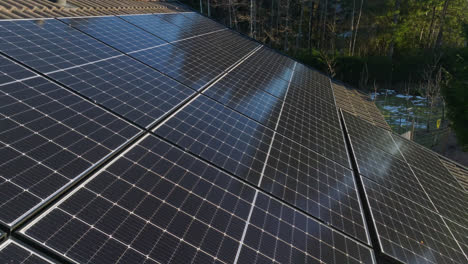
(299, 35)
(431, 28)
(352, 28)
(438, 43)
(324, 22)
(251, 18)
(395, 23)
(286, 29)
(272, 18)
(230, 13)
(309, 47)
(201, 7)
(357, 28)
(208, 8)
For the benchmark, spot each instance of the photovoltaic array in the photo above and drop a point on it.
(169, 138)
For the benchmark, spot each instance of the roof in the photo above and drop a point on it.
(15, 9)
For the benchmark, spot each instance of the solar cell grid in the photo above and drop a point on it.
(221, 136)
(196, 26)
(250, 76)
(246, 98)
(49, 138)
(10, 71)
(13, 252)
(49, 45)
(450, 202)
(181, 65)
(460, 233)
(276, 69)
(154, 203)
(115, 32)
(209, 54)
(389, 171)
(423, 159)
(229, 43)
(279, 234)
(269, 56)
(127, 87)
(317, 185)
(312, 92)
(308, 77)
(409, 232)
(159, 27)
(302, 124)
(367, 132)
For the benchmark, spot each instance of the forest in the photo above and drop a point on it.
(416, 47)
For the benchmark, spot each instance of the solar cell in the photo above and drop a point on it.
(277, 233)
(366, 132)
(460, 233)
(211, 55)
(182, 65)
(11, 71)
(311, 92)
(127, 87)
(115, 32)
(13, 252)
(50, 137)
(158, 26)
(424, 160)
(314, 184)
(450, 202)
(245, 75)
(306, 77)
(267, 58)
(49, 45)
(389, 171)
(315, 126)
(221, 136)
(154, 203)
(246, 98)
(409, 232)
(197, 26)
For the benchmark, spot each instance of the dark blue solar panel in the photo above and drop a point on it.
(11, 71)
(127, 87)
(49, 45)
(13, 252)
(49, 138)
(115, 32)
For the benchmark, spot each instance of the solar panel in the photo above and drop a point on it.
(263, 57)
(409, 232)
(127, 87)
(159, 27)
(221, 136)
(245, 75)
(182, 65)
(460, 233)
(450, 202)
(13, 252)
(424, 160)
(390, 172)
(315, 126)
(11, 72)
(115, 32)
(307, 77)
(277, 233)
(50, 137)
(49, 45)
(155, 203)
(314, 184)
(366, 132)
(197, 26)
(246, 98)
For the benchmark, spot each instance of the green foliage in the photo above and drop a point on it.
(456, 93)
